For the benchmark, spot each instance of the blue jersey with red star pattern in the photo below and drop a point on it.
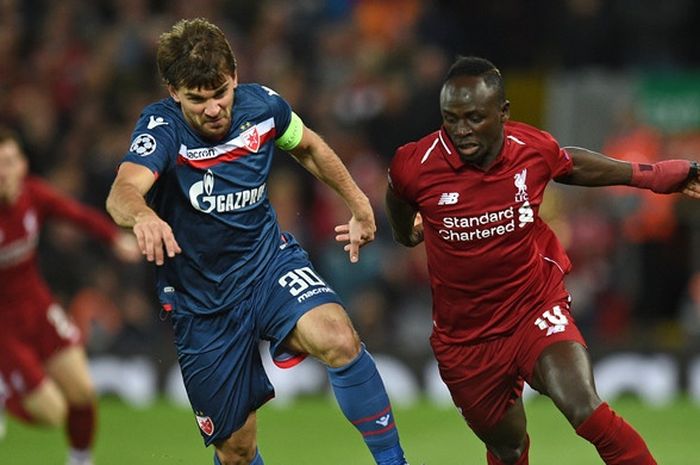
(214, 197)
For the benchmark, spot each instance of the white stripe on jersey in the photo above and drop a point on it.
(427, 152)
(444, 145)
(212, 152)
(516, 140)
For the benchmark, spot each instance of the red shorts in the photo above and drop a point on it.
(29, 335)
(485, 379)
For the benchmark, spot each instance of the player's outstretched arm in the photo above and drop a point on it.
(320, 160)
(665, 177)
(127, 206)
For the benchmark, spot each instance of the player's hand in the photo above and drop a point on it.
(155, 238)
(417, 233)
(126, 248)
(692, 187)
(357, 232)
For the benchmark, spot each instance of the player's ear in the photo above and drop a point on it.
(505, 111)
(173, 93)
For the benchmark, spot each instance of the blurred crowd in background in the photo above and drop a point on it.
(365, 74)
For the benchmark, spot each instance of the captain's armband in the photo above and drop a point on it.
(292, 136)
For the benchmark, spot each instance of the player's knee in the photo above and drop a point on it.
(578, 405)
(46, 405)
(328, 335)
(84, 396)
(508, 454)
(80, 394)
(343, 349)
(52, 416)
(578, 412)
(237, 455)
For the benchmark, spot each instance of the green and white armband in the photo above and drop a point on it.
(292, 136)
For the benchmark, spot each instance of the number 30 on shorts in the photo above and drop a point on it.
(299, 280)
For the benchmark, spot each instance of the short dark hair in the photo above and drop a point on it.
(195, 54)
(478, 67)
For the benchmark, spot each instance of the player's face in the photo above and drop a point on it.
(208, 111)
(13, 167)
(473, 115)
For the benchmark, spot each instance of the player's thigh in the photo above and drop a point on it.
(554, 360)
(241, 446)
(483, 381)
(300, 314)
(326, 333)
(46, 404)
(507, 436)
(564, 373)
(69, 369)
(538, 332)
(222, 369)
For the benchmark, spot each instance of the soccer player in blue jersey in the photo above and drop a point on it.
(193, 188)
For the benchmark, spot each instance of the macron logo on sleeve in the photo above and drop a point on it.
(448, 198)
(155, 121)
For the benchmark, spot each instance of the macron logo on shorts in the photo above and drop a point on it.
(448, 198)
(383, 420)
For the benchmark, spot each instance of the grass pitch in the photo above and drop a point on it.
(313, 432)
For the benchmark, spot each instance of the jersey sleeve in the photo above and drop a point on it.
(400, 172)
(559, 161)
(154, 142)
(288, 125)
(56, 205)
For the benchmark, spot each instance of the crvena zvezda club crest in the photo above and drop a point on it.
(206, 425)
(251, 139)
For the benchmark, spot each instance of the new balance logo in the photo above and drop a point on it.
(154, 122)
(448, 198)
(383, 421)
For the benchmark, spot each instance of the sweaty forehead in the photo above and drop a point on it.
(466, 90)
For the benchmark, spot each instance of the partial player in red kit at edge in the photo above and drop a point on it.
(472, 192)
(44, 376)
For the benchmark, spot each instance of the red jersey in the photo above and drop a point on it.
(491, 258)
(20, 224)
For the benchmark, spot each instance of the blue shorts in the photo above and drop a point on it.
(219, 354)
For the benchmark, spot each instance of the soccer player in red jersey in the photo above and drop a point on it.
(472, 191)
(44, 376)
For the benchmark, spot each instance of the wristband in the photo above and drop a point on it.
(663, 177)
